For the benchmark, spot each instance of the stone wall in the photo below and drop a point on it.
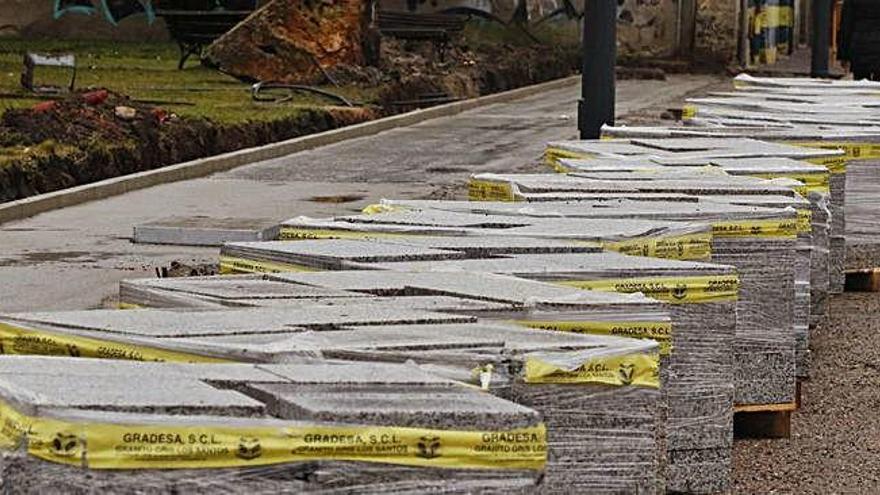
(646, 28)
(717, 31)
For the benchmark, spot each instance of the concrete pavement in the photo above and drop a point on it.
(73, 258)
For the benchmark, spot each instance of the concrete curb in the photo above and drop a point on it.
(27, 207)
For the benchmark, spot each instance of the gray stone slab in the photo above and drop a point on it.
(205, 231)
(398, 405)
(447, 278)
(154, 394)
(133, 370)
(355, 374)
(351, 250)
(169, 323)
(703, 208)
(239, 287)
(563, 266)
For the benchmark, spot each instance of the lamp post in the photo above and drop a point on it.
(596, 106)
(821, 39)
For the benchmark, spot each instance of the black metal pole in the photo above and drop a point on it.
(596, 106)
(821, 40)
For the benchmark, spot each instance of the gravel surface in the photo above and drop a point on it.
(835, 443)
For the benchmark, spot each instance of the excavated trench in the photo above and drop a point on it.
(84, 138)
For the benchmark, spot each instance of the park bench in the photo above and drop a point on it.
(406, 25)
(195, 24)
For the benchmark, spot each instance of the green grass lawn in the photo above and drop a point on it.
(148, 72)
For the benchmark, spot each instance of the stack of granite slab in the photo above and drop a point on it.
(765, 330)
(229, 291)
(153, 334)
(666, 239)
(851, 167)
(81, 426)
(479, 294)
(698, 362)
(605, 435)
(812, 176)
(817, 213)
(691, 150)
(855, 136)
(815, 185)
(284, 257)
(598, 394)
(698, 375)
(535, 188)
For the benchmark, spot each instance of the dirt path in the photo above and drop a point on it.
(835, 443)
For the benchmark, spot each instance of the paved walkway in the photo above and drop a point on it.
(73, 258)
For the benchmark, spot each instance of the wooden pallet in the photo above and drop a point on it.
(763, 420)
(867, 280)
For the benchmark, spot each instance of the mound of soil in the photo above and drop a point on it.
(95, 135)
(99, 134)
(417, 70)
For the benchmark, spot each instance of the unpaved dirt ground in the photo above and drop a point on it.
(835, 442)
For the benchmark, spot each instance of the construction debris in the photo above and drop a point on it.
(295, 42)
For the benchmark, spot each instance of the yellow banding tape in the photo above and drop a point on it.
(654, 330)
(640, 370)
(232, 265)
(553, 155)
(674, 290)
(813, 182)
(756, 228)
(149, 446)
(127, 305)
(835, 164)
(804, 221)
(558, 167)
(16, 340)
(684, 247)
(302, 233)
(377, 208)
(688, 112)
(483, 190)
(852, 151)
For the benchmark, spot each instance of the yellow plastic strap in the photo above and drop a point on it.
(813, 182)
(381, 208)
(232, 265)
(852, 150)
(14, 426)
(553, 155)
(640, 370)
(804, 221)
(303, 233)
(127, 305)
(132, 446)
(558, 167)
(688, 112)
(756, 228)
(654, 330)
(16, 340)
(685, 247)
(483, 190)
(835, 164)
(674, 290)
